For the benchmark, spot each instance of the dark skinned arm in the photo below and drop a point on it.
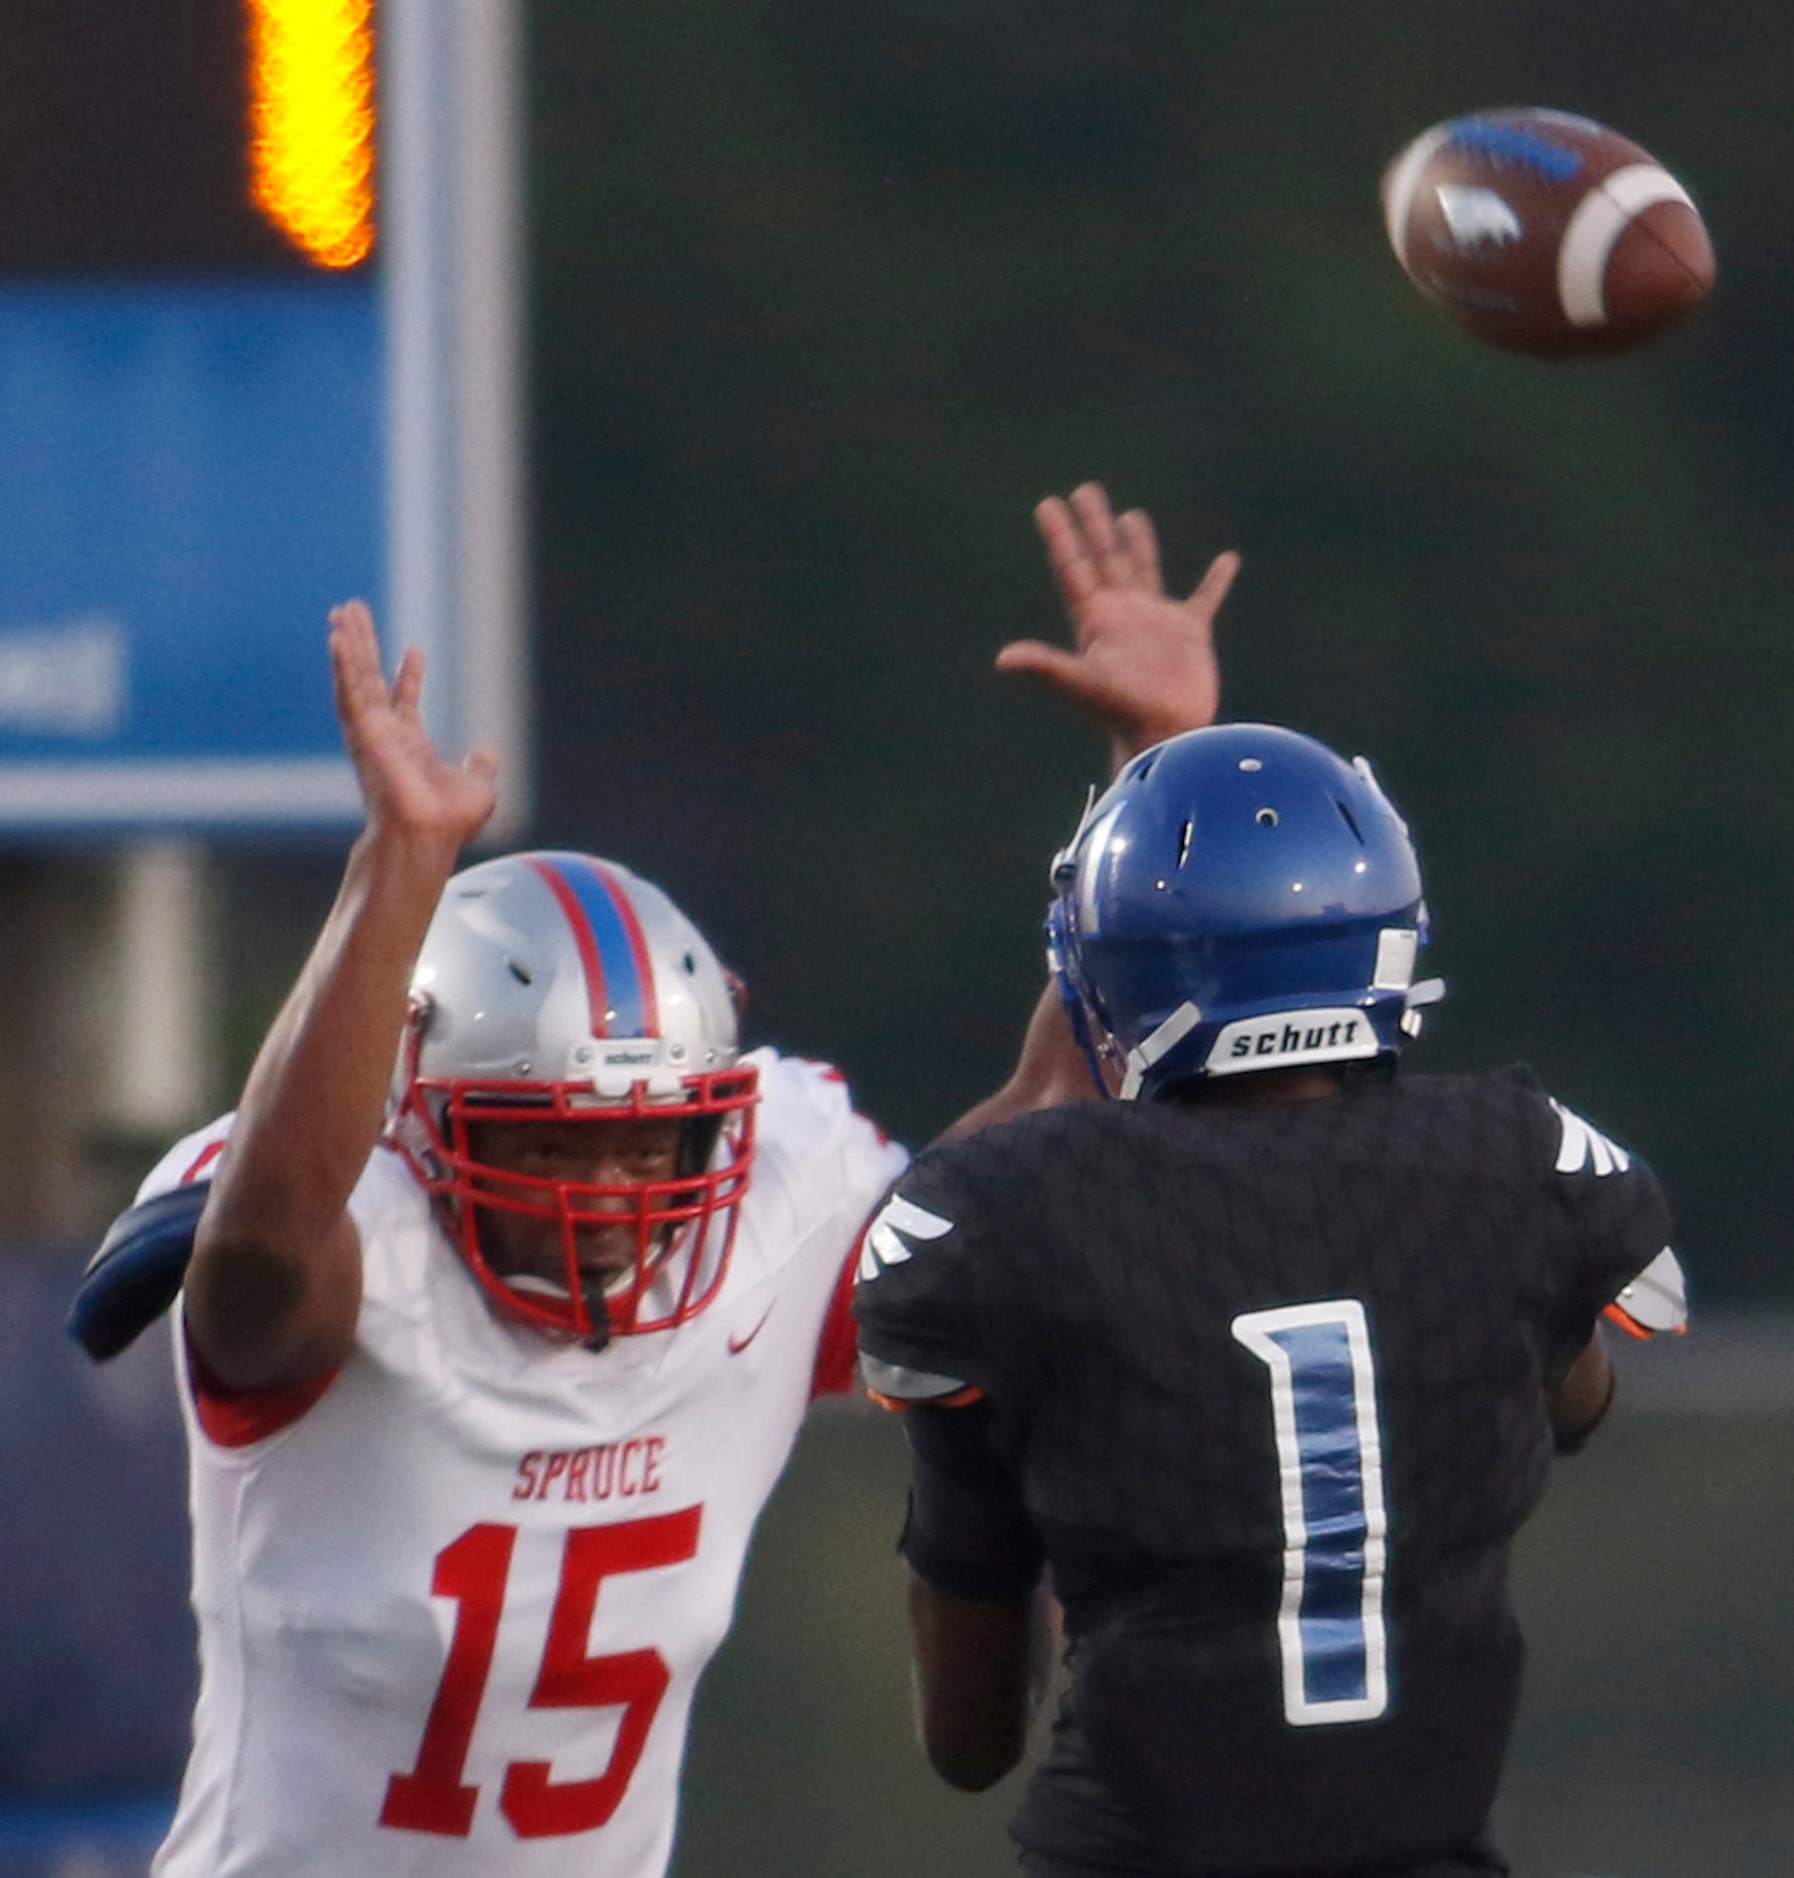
(274, 1287)
(978, 1671)
(1577, 1406)
(1143, 664)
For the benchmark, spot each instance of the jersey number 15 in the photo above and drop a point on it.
(473, 1571)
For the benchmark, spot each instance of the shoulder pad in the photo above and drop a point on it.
(137, 1272)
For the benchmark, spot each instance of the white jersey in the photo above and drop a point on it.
(452, 1617)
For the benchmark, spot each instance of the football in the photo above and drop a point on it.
(1546, 233)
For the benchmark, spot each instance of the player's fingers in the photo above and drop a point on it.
(1035, 655)
(1072, 567)
(353, 622)
(408, 681)
(1090, 504)
(356, 676)
(1140, 543)
(1216, 583)
(482, 761)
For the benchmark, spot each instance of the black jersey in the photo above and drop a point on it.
(1270, 1381)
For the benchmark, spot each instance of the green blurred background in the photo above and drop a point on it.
(826, 297)
(823, 298)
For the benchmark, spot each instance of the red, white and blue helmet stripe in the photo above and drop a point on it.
(612, 946)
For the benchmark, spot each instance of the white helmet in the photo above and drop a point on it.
(558, 987)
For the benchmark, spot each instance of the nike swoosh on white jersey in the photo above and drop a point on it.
(738, 1344)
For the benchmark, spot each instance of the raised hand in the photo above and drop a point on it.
(404, 781)
(1145, 662)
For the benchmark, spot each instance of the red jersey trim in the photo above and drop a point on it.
(829, 1073)
(238, 1418)
(207, 1155)
(837, 1350)
(1618, 1314)
(960, 1398)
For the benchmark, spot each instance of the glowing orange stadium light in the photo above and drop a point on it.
(311, 112)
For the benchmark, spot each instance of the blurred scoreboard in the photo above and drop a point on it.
(258, 290)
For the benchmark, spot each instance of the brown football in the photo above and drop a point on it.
(1545, 232)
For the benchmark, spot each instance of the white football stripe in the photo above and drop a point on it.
(1600, 219)
(884, 1242)
(1092, 855)
(1580, 1145)
(1403, 179)
(883, 1247)
(914, 1220)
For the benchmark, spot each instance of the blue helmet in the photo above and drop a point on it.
(1240, 899)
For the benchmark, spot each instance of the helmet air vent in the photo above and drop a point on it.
(1350, 820)
(1266, 818)
(1184, 835)
(520, 971)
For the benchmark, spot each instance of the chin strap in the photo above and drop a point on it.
(598, 1337)
(1151, 1050)
(1075, 1013)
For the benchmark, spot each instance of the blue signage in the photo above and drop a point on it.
(191, 474)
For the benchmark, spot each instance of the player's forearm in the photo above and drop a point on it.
(1125, 745)
(1579, 1404)
(1049, 1070)
(974, 1661)
(313, 1105)
(275, 1257)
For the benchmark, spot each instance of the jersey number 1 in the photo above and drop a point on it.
(473, 1571)
(1330, 1462)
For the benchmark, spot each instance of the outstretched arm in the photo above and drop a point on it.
(1144, 665)
(982, 1625)
(1050, 1069)
(275, 1283)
